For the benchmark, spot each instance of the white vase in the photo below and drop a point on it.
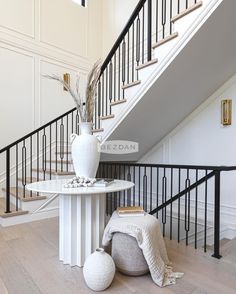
(85, 152)
(99, 270)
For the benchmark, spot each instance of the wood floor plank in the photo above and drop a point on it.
(29, 264)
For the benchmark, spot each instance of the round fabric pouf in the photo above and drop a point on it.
(128, 257)
(99, 270)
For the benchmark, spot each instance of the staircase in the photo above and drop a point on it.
(132, 75)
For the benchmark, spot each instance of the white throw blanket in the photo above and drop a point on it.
(146, 230)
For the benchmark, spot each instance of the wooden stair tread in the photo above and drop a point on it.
(54, 172)
(117, 102)
(146, 64)
(58, 161)
(187, 11)
(28, 195)
(97, 130)
(167, 39)
(13, 212)
(107, 117)
(28, 180)
(65, 152)
(131, 85)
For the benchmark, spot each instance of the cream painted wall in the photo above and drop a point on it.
(42, 37)
(115, 15)
(201, 140)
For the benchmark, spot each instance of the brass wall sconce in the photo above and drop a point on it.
(226, 112)
(66, 78)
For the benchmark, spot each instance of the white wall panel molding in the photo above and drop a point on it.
(18, 17)
(43, 50)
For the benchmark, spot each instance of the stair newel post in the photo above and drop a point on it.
(149, 45)
(217, 216)
(8, 208)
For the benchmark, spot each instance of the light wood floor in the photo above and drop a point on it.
(29, 265)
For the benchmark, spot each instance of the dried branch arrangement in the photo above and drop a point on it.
(85, 106)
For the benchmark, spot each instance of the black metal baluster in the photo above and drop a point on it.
(119, 179)
(62, 143)
(179, 206)
(145, 189)
(143, 35)
(187, 208)
(119, 81)
(106, 92)
(128, 55)
(178, 8)
(95, 110)
(150, 206)
(186, 4)
(114, 95)
(123, 64)
(196, 208)
(157, 20)
(217, 216)
(67, 143)
(103, 96)
(205, 216)
(56, 145)
(157, 194)
(171, 205)
(164, 192)
(8, 180)
(129, 191)
(99, 103)
(17, 178)
(134, 181)
(124, 178)
(31, 164)
(149, 31)
(139, 183)
(50, 151)
(23, 169)
(163, 18)
(171, 13)
(133, 57)
(110, 85)
(138, 41)
(44, 153)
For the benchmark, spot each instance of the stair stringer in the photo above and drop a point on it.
(186, 27)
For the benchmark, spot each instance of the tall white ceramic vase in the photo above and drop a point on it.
(85, 151)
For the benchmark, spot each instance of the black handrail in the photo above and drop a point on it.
(182, 193)
(36, 131)
(177, 166)
(159, 186)
(122, 34)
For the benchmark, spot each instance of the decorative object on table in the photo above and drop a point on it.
(226, 112)
(103, 182)
(130, 211)
(130, 262)
(77, 182)
(147, 232)
(99, 270)
(85, 147)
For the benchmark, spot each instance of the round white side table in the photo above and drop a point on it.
(81, 216)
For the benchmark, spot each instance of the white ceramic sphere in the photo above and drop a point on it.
(99, 270)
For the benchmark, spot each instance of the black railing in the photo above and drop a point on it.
(31, 156)
(38, 156)
(179, 196)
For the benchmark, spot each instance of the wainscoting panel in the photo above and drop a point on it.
(18, 16)
(65, 31)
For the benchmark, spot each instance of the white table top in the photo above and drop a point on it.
(57, 187)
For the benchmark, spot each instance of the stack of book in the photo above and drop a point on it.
(130, 211)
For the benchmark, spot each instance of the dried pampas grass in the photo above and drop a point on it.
(85, 108)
